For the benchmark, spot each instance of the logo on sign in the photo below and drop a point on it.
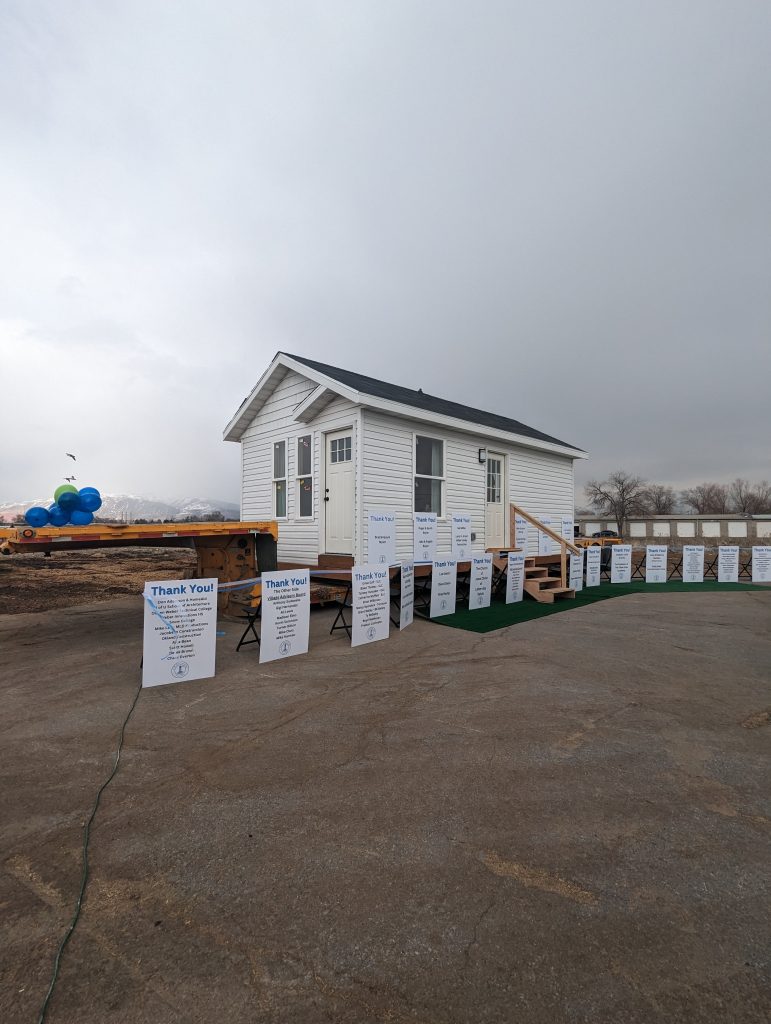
(284, 647)
(180, 669)
(444, 602)
(371, 633)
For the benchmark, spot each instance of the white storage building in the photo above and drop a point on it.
(321, 447)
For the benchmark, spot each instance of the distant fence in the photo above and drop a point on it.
(675, 564)
(726, 529)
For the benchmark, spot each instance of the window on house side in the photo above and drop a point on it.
(279, 479)
(305, 476)
(429, 474)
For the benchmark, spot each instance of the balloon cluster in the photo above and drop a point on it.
(71, 507)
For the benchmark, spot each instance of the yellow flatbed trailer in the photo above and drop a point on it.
(597, 542)
(229, 551)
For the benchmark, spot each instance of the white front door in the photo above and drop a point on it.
(495, 507)
(338, 495)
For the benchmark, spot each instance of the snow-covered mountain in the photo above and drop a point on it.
(130, 507)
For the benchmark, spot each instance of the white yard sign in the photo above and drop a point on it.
(461, 536)
(576, 579)
(761, 564)
(693, 563)
(444, 580)
(593, 566)
(621, 563)
(728, 564)
(382, 537)
(180, 631)
(656, 563)
(407, 597)
(567, 529)
(481, 581)
(371, 599)
(285, 614)
(546, 546)
(515, 577)
(424, 536)
(520, 533)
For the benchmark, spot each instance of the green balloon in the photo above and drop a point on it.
(64, 489)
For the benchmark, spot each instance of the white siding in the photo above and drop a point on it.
(538, 482)
(299, 540)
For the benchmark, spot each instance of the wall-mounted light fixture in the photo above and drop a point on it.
(483, 455)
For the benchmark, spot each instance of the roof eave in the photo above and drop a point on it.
(235, 428)
(251, 405)
(469, 427)
(316, 401)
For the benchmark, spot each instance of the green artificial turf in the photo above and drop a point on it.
(499, 614)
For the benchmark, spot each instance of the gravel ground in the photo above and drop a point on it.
(34, 583)
(563, 822)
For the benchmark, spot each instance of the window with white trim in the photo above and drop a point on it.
(279, 479)
(305, 476)
(429, 474)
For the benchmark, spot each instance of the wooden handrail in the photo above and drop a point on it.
(564, 544)
(546, 529)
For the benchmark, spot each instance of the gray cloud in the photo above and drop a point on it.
(556, 211)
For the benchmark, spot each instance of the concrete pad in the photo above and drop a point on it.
(564, 821)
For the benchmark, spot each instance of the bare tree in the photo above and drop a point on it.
(619, 497)
(750, 499)
(707, 499)
(763, 492)
(660, 500)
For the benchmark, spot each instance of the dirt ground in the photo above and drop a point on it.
(34, 583)
(564, 821)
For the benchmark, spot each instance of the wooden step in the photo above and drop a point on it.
(547, 592)
(335, 561)
(543, 581)
(536, 573)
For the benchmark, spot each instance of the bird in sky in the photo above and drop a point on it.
(69, 479)
(70, 456)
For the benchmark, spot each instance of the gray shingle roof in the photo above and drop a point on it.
(429, 403)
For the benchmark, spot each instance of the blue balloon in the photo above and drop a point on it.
(81, 518)
(90, 499)
(69, 500)
(36, 516)
(58, 515)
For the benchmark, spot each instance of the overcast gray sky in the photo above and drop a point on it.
(556, 211)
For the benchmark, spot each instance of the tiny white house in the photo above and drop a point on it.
(322, 447)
